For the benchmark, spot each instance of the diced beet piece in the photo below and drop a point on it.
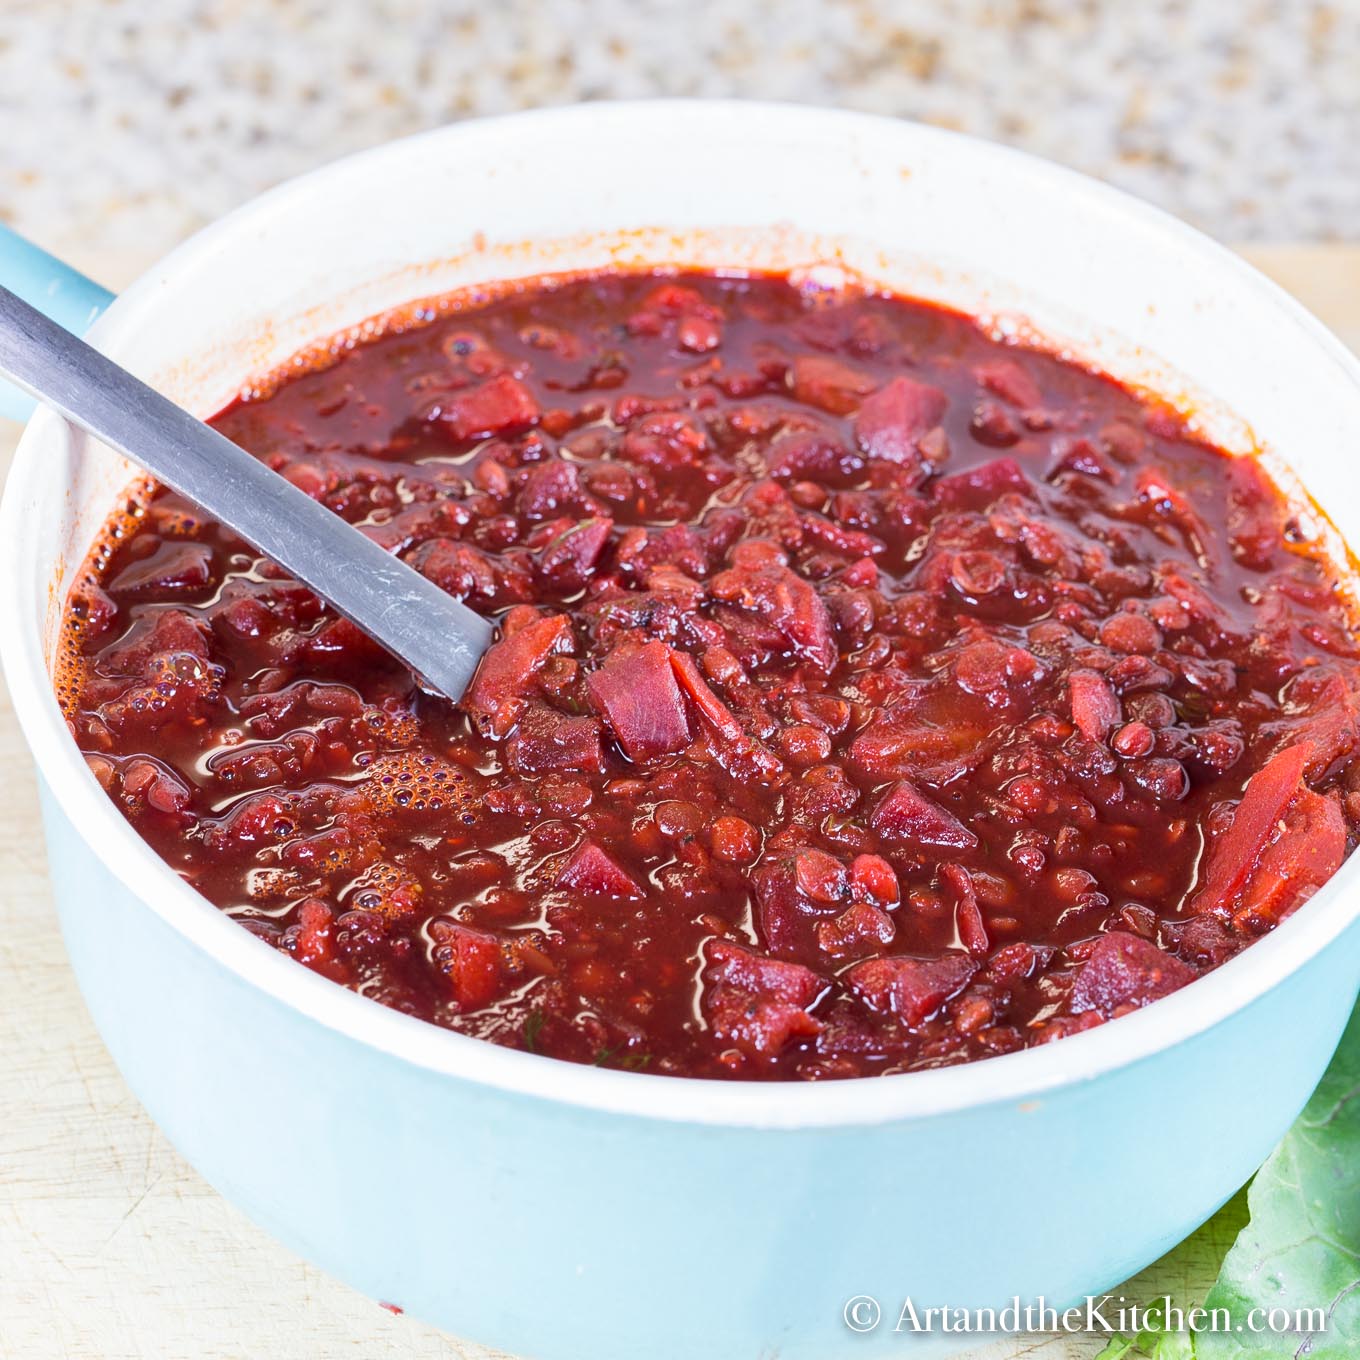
(779, 905)
(789, 603)
(259, 819)
(1012, 383)
(342, 642)
(890, 423)
(676, 299)
(859, 926)
(475, 962)
(460, 569)
(755, 1025)
(1061, 1026)
(548, 740)
(1155, 492)
(752, 972)
(698, 334)
(1322, 711)
(899, 744)
(590, 870)
(464, 570)
(1124, 969)
(741, 751)
(803, 455)
(295, 704)
(312, 940)
(1205, 941)
(997, 673)
(158, 786)
(568, 562)
(829, 384)
(913, 989)
(905, 813)
(756, 1003)
(500, 405)
(641, 700)
(550, 487)
(1095, 705)
(498, 693)
(669, 441)
(1284, 841)
(1081, 456)
(1305, 852)
(978, 487)
(150, 636)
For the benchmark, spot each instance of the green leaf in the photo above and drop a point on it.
(1301, 1247)
(1118, 1348)
(533, 1024)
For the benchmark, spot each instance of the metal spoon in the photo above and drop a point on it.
(437, 636)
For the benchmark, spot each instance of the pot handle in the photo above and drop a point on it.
(55, 289)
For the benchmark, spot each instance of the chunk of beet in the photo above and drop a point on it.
(782, 912)
(568, 562)
(1284, 842)
(890, 423)
(999, 674)
(501, 405)
(464, 570)
(551, 487)
(1124, 969)
(913, 989)
(752, 972)
(789, 603)
(590, 870)
(977, 488)
(1015, 385)
(311, 940)
(860, 928)
(474, 962)
(738, 751)
(905, 813)
(668, 441)
(548, 740)
(151, 635)
(756, 1003)
(499, 691)
(640, 699)
(755, 1025)
(807, 455)
(1095, 705)
(1323, 710)
(829, 384)
(1205, 941)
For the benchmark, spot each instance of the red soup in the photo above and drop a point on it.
(869, 695)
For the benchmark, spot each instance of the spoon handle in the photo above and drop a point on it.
(439, 637)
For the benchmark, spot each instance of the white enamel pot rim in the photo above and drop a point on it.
(1020, 1076)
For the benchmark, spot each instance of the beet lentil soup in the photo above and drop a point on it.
(870, 695)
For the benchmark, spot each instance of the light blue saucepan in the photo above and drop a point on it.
(571, 1213)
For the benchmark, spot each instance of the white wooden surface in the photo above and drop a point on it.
(111, 1247)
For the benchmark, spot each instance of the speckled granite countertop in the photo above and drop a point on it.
(129, 123)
